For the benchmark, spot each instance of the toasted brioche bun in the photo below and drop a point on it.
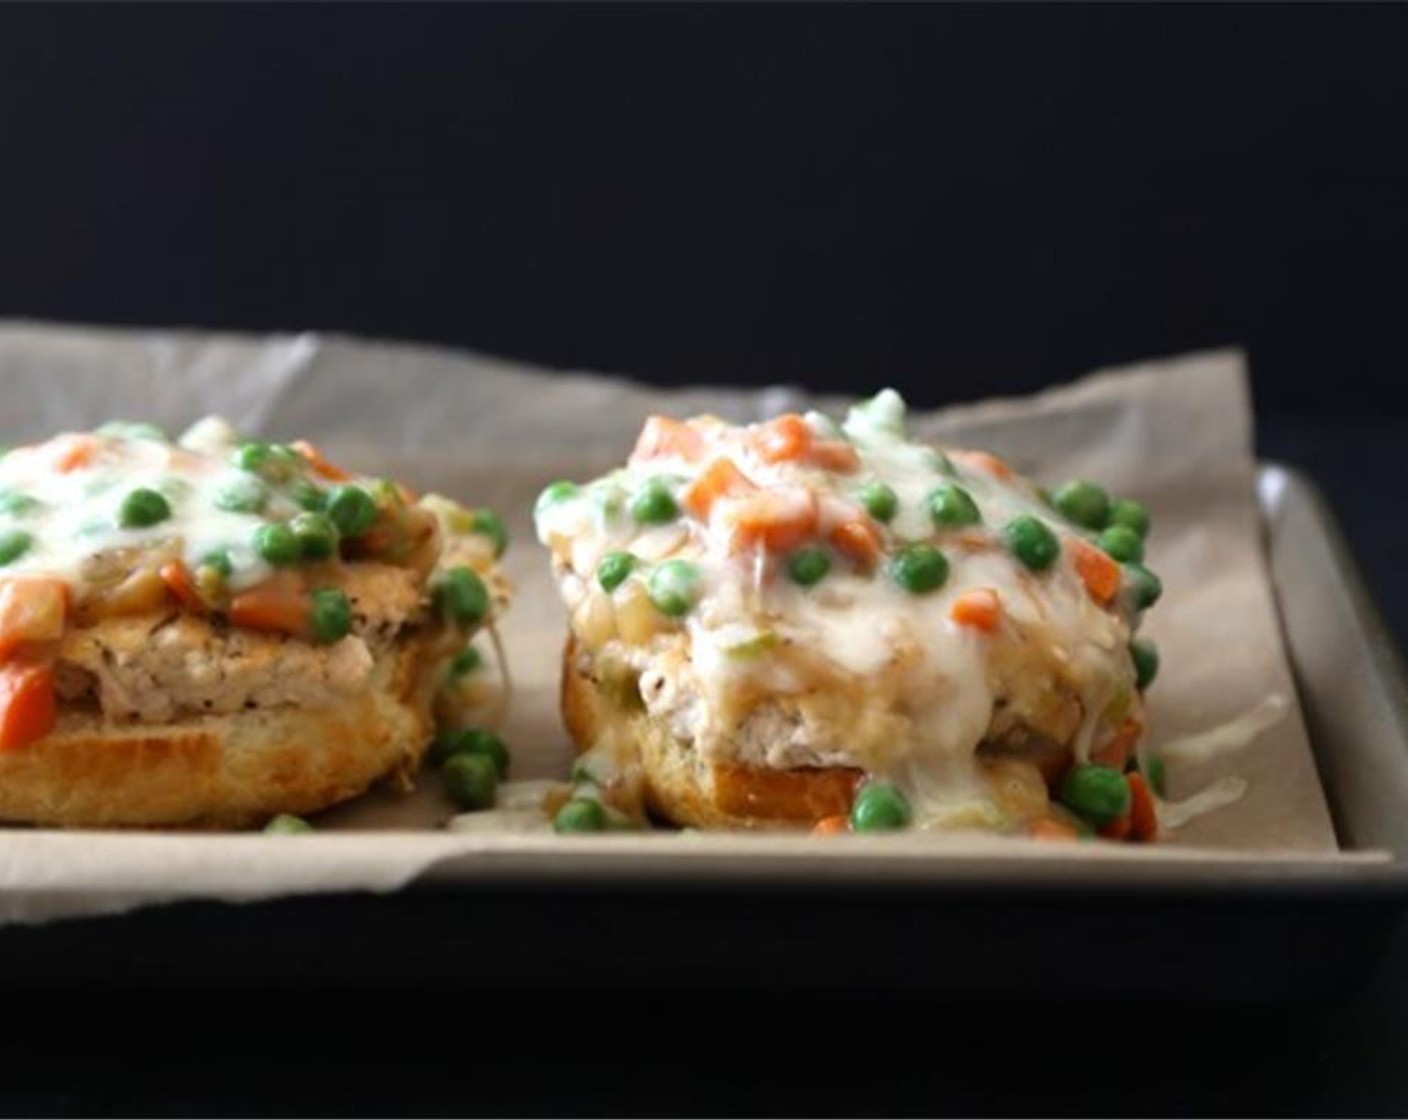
(224, 771)
(687, 790)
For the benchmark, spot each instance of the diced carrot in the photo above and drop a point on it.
(27, 708)
(980, 609)
(784, 439)
(778, 520)
(834, 455)
(73, 452)
(859, 540)
(1143, 817)
(33, 609)
(1118, 829)
(983, 461)
(320, 465)
(720, 479)
(177, 578)
(279, 605)
(663, 437)
(1114, 752)
(1097, 570)
(831, 826)
(1049, 828)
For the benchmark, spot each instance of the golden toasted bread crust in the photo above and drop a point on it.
(224, 771)
(687, 790)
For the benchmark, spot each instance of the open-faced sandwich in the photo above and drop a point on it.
(211, 632)
(807, 623)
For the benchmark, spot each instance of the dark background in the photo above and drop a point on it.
(959, 201)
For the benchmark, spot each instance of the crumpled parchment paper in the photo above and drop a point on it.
(487, 432)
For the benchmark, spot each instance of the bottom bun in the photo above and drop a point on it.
(687, 790)
(223, 771)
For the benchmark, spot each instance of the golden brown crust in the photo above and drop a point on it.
(224, 771)
(686, 790)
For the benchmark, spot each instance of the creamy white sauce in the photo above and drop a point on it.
(864, 626)
(1206, 746)
(76, 517)
(1216, 795)
(1234, 735)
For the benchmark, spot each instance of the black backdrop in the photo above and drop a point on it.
(956, 200)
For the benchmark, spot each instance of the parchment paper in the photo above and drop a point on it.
(1177, 434)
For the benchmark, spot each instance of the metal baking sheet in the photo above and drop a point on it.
(1202, 929)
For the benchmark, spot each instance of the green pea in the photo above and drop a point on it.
(581, 814)
(1031, 542)
(460, 596)
(613, 570)
(271, 461)
(14, 504)
(654, 504)
(1146, 661)
(465, 662)
(252, 457)
(472, 780)
(219, 561)
(306, 495)
(317, 535)
(14, 543)
(674, 587)
(489, 524)
(808, 566)
(1154, 771)
(879, 807)
(1098, 793)
(1084, 503)
(331, 615)
(1143, 586)
(445, 743)
(141, 508)
(352, 510)
(277, 545)
(952, 507)
(242, 494)
(553, 494)
(448, 743)
(919, 568)
(1122, 544)
(880, 501)
(489, 745)
(286, 824)
(1131, 515)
